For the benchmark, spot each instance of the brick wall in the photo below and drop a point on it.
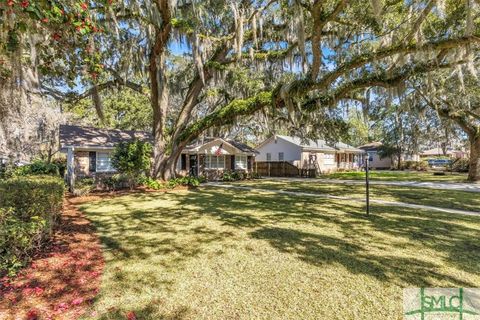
(82, 162)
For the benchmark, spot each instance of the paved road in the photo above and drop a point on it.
(327, 196)
(469, 187)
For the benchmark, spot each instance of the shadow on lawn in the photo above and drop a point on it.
(158, 233)
(453, 199)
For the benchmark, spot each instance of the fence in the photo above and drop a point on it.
(281, 169)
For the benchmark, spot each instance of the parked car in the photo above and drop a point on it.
(439, 162)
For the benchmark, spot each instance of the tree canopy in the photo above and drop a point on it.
(206, 64)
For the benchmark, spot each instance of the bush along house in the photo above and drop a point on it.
(89, 150)
(212, 157)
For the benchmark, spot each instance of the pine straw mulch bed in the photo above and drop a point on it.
(63, 280)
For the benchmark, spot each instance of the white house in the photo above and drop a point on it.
(376, 161)
(309, 154)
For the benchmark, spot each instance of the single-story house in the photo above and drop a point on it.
(378, 162)
(375, 160)
(310, 154)
(210, 157)
(89, 151)
(438, 152)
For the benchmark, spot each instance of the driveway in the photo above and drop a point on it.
(469, 187)
(327, 196)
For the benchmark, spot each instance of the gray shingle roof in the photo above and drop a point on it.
(372, 146)
(347, 147)
(310, 144)
(319, 144)
(239, 145)
(94, 137)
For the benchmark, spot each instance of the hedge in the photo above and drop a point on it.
(29, 209)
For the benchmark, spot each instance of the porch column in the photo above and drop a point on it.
(198, 164)
(71, 167)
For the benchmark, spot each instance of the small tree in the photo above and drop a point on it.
(132, 159)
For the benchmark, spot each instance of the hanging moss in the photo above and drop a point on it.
(228, 113)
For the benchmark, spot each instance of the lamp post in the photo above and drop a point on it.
(367, 183)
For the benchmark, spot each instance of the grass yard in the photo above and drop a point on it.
(224, 254)
(398, 176)
(426, 196)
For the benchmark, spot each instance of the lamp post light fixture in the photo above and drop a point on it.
(367, 182)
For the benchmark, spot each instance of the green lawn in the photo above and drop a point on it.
(398, 176)
(439, 198)
(221, 254)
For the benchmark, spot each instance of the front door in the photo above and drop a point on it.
(193, 165)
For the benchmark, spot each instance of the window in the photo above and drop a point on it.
(214, 162)
(280, 156)
(104, 163)
(371, 155)
(241, 162)
(269, 157)
(328, 158)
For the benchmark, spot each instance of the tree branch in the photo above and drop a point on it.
(300, 87)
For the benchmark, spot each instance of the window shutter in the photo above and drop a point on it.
(92, 157)
(249, 162)
(183, 161)
(232, 163)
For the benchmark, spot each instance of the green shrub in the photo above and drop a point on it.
(255, 175)
(38, 167)
(132, 159)
(172, 183)
(117, 181)
(461, 165)
(83, 186)
(152, 183)
(29, 208)
(61, 164)
(414, 165)
(234, 176)
(18, 239)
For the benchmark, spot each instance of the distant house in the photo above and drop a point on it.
(377, 161)
(438, 152)
(310, 154)
(89, 152)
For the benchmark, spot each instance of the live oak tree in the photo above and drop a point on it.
(456, 97)
(314, 56)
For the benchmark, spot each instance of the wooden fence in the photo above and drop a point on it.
(281, 169)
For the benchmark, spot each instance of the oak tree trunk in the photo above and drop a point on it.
(474, 169)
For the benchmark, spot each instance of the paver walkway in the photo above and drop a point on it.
(327, 196)
(458, 186)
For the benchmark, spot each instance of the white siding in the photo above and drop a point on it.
(290, 151)
(377, 163)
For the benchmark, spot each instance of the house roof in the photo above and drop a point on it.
(79, 136)
(346, 147)
(372, 146)
(236, 144)
(319, 144)
(439, 152)
(308, 144)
